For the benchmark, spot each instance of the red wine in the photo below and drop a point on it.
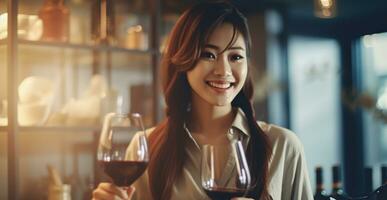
(223, 193)
(124, 173)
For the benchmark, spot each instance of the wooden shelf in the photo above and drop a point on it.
(76, 129)
(67, 45)
(56, 129)
(82, 46)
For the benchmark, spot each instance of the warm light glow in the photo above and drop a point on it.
(30, 27)
(134, 29)
(325, 8)
(3, 25)
(326, 13)
(326, 3)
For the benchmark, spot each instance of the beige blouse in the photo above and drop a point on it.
(288, 172)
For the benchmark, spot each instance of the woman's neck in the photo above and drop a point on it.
(210, 120)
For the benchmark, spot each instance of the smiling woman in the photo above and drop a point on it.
(221, 70)
(208, 95)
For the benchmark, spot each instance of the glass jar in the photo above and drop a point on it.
(55, 18)
(62, 192)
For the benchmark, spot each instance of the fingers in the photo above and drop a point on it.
(130, 191)
(109, 191)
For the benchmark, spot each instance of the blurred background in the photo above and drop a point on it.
(320, 69)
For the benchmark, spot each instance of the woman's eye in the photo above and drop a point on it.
(207, 55)
(236, 57)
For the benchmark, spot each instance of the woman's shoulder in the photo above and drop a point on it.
(281, 137)
(149, 131)
(156, 128)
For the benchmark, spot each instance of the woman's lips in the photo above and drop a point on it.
(220, 85)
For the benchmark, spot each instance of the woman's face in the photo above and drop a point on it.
(219, 76)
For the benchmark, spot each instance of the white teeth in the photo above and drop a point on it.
(220, 85)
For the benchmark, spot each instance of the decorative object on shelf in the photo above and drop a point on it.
(136, 38)
(59, 193)
(82, 112)
(103, 22)
(132, 31)
(56, 189)
(4, 113)
(29, 26)
(55, 17)
(35, 100)
(85, 111)
(325, 8)
(109, 102)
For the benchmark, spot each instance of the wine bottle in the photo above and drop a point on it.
(381, 192)
(384, 174)
(320, 193)
(368, 180)
(337, 190)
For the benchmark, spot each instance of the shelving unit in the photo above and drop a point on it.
(56, 129)
(88, 47)
(70, 146)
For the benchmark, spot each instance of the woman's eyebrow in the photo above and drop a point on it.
(212, 46)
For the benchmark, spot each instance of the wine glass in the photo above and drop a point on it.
(119, 131)
(224, 171)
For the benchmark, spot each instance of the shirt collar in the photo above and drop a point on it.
(239, 123)
(190, 135)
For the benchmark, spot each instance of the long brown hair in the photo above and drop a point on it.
(167, 142)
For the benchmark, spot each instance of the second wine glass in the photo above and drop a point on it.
(121, 132)
(224, 171)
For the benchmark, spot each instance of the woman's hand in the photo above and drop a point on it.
(109, 191)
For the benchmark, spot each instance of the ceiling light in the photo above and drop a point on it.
(325, 8)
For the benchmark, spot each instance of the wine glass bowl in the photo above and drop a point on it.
(224, 171)
(120, 133)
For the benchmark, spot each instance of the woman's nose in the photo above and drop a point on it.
(222, 67)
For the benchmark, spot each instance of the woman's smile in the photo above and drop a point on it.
(220, 84)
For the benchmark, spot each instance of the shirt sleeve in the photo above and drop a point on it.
(289, 179)
(301, 189)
